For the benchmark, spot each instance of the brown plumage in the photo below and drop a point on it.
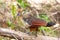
(35, 23)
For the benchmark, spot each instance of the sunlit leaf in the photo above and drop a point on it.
(44, 17)
(14, 11)
(20, 1)
(22, 4)
(10, 24)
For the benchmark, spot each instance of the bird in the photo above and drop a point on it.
(35, 23)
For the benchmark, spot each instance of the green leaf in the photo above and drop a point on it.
(14, 11)
(44, 17)
(23, 4)
(10, 24)
(45, 29)
(20, 1)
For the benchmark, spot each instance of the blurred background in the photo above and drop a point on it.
(12, 13)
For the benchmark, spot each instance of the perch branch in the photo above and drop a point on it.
(10, 33)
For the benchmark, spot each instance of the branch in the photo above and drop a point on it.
(12, 34)
(20, 35)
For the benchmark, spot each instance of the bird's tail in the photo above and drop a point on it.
(49, 24)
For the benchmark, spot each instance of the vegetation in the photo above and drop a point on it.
(11, 15)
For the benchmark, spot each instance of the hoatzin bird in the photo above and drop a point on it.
(35, 23)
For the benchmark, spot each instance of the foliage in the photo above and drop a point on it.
(44, 17)
(10, 24)
(20, 22)
(22, 4)
(14, 11)
(46, 29)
